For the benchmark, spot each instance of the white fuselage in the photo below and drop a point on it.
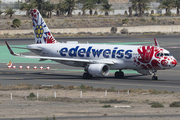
(123, 56)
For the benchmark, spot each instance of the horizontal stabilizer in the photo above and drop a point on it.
(10, 50)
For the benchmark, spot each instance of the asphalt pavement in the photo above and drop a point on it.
(67, 75)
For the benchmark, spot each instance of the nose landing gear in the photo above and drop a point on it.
(154, 73)
(119, 74)
(154, 77)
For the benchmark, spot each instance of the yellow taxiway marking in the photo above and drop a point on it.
(46, 73)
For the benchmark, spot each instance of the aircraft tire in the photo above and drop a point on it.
(122, 74)
(119, 74)
(116, 74)
(87, 76)
(90, 76)
(154, 78)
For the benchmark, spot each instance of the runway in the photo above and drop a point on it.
(66, 75)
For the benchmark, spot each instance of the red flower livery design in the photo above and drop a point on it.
(50, 38)
(153, 58)
(41, 31)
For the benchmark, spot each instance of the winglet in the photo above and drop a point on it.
(156, 42)
(10, 50)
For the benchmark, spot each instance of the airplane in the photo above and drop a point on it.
(97, 60)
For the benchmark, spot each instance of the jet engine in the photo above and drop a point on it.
(98, 69)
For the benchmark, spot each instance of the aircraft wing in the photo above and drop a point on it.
(68, 59)
(28, 48)
(58, 58)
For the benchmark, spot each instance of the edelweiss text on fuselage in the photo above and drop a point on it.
(106, 53)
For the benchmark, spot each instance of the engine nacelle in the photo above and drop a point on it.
(98, 69)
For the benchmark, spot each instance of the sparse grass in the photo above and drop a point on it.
(100, 16)
(157, 15)
(82, 87)
(154, 91)
(153, 18)
(58, 86)
(8, 23)
(52, 20)
(113, 101)
(146, 101)
(157, 105)
(125, 21)
(112, 89)
(175, 104)
(67, 20)
(26, 86)
(106, 106)
(132, 19)
(25, 21)
(47, 21)
(71, 87)
(47, 89)
(159, 33)
(166, 92)
(143, 20)
(21, 86)
(31, 95)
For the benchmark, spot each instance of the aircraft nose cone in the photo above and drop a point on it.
(174, 62)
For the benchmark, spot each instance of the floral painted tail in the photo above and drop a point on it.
(41, 31)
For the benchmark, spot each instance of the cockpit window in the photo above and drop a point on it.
(163, 54)
(158, 54)
(166, 54)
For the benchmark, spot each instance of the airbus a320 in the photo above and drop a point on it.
(97, 60)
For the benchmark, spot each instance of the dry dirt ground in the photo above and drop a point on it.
(68, 103)
(87, 21)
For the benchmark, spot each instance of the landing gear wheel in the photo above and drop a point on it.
(119, 74)
(87, 76)
(154, 78)
(116, 74)
(154, 73)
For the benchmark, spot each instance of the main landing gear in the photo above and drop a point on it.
(87, 75)
(119, 74)
(154, 73)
